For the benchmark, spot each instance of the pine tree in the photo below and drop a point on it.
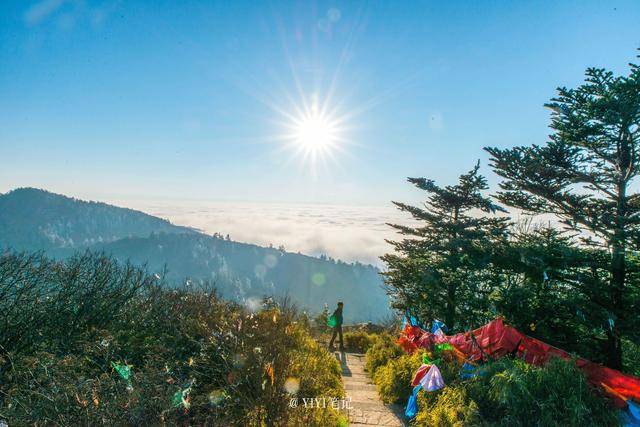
(584, 176)
(439, 270)
(543, 284)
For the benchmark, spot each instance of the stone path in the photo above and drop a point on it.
(366, 407)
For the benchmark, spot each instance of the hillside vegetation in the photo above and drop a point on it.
(94, 342)
(36, 220)
(503, 392)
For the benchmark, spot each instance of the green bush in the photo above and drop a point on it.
(358, 341)
(447, 408)
(381, 352)
(320, 322)
(556, 394)
(393, 380)
(320, 376)
(509, 392)
(159, 356)
(512, 392)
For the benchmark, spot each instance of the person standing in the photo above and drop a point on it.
(336, 318)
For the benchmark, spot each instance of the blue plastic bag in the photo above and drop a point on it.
(412, 404)
(414, 321)
(411, 320)
(633, 417)
(437, 324)
(634, 408)
(468, 371)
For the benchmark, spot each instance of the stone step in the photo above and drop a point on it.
(376, 418)
(356, 365)
(366, 409)
(360, 387)
(350, 373)
(363, 401)
(374, 406)
(354, 375)
(357, 381)
(359, 368)
(359, 398)
(399, 423)
(363, 396)
(367, 424)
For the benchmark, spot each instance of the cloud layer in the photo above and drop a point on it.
(349, 233)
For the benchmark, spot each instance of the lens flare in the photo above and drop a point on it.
(316, 135)
(315, 132)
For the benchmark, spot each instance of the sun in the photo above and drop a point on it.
(315, 135)
(315, 132)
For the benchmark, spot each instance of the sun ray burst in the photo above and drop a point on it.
(314, 136)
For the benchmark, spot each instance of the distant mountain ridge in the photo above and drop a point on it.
(34, 220)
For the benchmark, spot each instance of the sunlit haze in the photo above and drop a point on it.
(284, 104)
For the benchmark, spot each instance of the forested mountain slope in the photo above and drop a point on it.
(33, 220)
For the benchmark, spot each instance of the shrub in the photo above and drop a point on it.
(449, 407)
(320, 321)
(49, 305)
(192, 358)
(359, 341)
(512, 392)
(393, 380)
(319, 374)
(556, 394)
(381, 352)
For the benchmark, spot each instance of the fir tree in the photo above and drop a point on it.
(439, 270)
(584, 176)
(542, 287)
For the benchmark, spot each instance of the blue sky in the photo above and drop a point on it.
(189, 100)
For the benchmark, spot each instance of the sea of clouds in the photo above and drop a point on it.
(349, 233)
